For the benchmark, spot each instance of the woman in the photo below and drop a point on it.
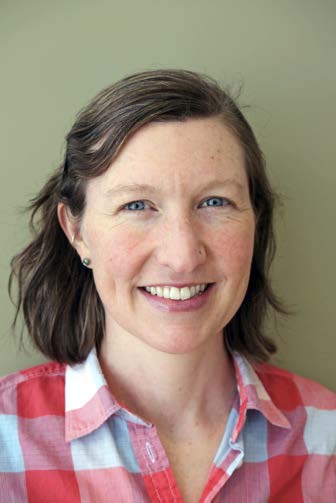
(147, 284)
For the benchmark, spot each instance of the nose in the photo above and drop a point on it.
(181, 247)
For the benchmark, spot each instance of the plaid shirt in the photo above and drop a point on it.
(64, 438)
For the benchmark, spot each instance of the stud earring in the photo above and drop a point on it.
(86, 262)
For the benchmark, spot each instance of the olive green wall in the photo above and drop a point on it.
(55, 55)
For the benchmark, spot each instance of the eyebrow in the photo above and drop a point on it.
(142, 187)
(224, 183)
(130, 188)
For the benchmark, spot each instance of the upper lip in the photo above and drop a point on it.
(177, 285)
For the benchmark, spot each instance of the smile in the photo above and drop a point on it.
(175, 293)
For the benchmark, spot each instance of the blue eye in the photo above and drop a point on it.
(135, 206)
(214, 201)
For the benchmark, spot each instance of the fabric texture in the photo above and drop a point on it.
(64, 438)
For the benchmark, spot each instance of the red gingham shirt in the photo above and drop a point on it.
(64, 438)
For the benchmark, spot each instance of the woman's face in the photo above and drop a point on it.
(171, 215)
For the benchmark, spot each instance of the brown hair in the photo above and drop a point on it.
(62, 310)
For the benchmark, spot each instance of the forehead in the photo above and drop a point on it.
(182, 153)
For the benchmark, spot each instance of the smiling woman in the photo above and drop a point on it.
(147, 284)
(169, 236)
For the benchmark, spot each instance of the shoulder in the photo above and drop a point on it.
(309, 407)
(33, 391)
(289, 390)
(304, 453)
(31, 405)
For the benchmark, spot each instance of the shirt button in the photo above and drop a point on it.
(240, 463)
(150, 452)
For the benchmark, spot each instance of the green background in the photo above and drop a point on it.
(55, 56)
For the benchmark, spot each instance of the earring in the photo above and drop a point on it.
(86, 262)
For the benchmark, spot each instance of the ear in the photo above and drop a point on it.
(71, 228)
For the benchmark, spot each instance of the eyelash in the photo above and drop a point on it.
(225, 202)
(126, 207)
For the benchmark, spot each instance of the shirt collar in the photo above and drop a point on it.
(253, 395)
(89, 401)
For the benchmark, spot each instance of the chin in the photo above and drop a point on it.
(176, 344)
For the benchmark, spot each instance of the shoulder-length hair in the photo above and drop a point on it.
(62, 310)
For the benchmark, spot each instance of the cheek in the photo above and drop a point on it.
(235, 250)
(116, 252)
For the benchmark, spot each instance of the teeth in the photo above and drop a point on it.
(185, 293)
(174, 293)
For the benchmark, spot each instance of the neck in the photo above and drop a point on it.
(169, 389)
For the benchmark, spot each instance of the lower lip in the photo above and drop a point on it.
(178, 306)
